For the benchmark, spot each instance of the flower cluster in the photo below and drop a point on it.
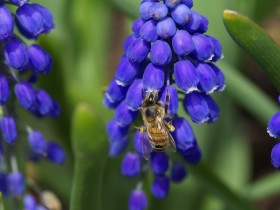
(273, 130)
(20, 66)
(167, 52)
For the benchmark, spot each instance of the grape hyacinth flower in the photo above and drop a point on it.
(20, 63)
(168, 53)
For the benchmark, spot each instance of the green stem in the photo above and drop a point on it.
(256, 42)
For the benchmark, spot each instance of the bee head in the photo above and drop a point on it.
(150, 114)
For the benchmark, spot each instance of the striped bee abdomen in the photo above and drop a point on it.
(158, 139)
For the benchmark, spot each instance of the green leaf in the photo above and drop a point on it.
(256, 42)
(90, 152)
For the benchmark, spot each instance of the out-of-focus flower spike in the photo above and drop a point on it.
(136, 26)
(131, 38)
(138, 50)
(197, 107)
(183, 134)
(213, 109)
(181, 14)
(115, 91)
(44, 102)
(189, 3)
(134, 95)
(158, 11)
(203, 47)
(9, 130)
(29, 21)
(19, 2)
(37, 142)
(144, 10)
(15, 182)
(172, 3)
(186, 76)
(178, 172)
(166, 28)
(153, 78)
(138, 200)
(192, 154)
(275, 156)
(149, 31)
(124, 115)
(160, 187)
(25, 94)
(127, 71)
(47, 17)
(194, 22)
(115, 131)
(4, 90)
(131, 164)
(55, 153)
(159, 162)
(55, 111)
(160, 53)
(6, 22)
(39, 60)
(116, 147)
(3, 184)
(273, 128)
(208, 81)
(29, 202)
(182, 43)
(173, 99)
(16, 54)
(221, 83)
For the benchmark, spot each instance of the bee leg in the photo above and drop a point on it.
(141, 129)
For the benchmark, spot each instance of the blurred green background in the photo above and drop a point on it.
(86, 46)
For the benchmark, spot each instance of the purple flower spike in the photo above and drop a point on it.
(158, 11)
(25, 94)
(115, 131)
(44, 102)
(173, 99)
(194, 22)
(186, 76)
(221, 83)
(3, 184)
(153, 78)
(160, 53)
(127, 71)
(149, 31)
(131, 164)
(37, 142)
(9, 130)
(46, 17)
(116, 92)
(16, 54)
(109, 104)
(134, 95)
(160, 187)
(178, 172)
(29, 21)
(29, 202)
(203, 24)
(181, 14)
(207, 78)
(55, 153)
(218, 54)
(136, 27)
(183, 134)
(273, 128)
(204, 48)
(4, 90)
(144, 10)
(197, 107)
(159, 163)
(166, 28)
(182, 43)
(275, 156)
(172, 3)
(213, 109)
(131, 38)
(193, 154)
(138, 200)
(15, 183)
(138, 50)
(189, 3)
(39, 60)
(116, 147)
(6, 22)
(138, 142)
(124, 115)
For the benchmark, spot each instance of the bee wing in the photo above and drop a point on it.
(146, 146)
(171, 142)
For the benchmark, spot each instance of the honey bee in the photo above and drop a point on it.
(156, 131)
